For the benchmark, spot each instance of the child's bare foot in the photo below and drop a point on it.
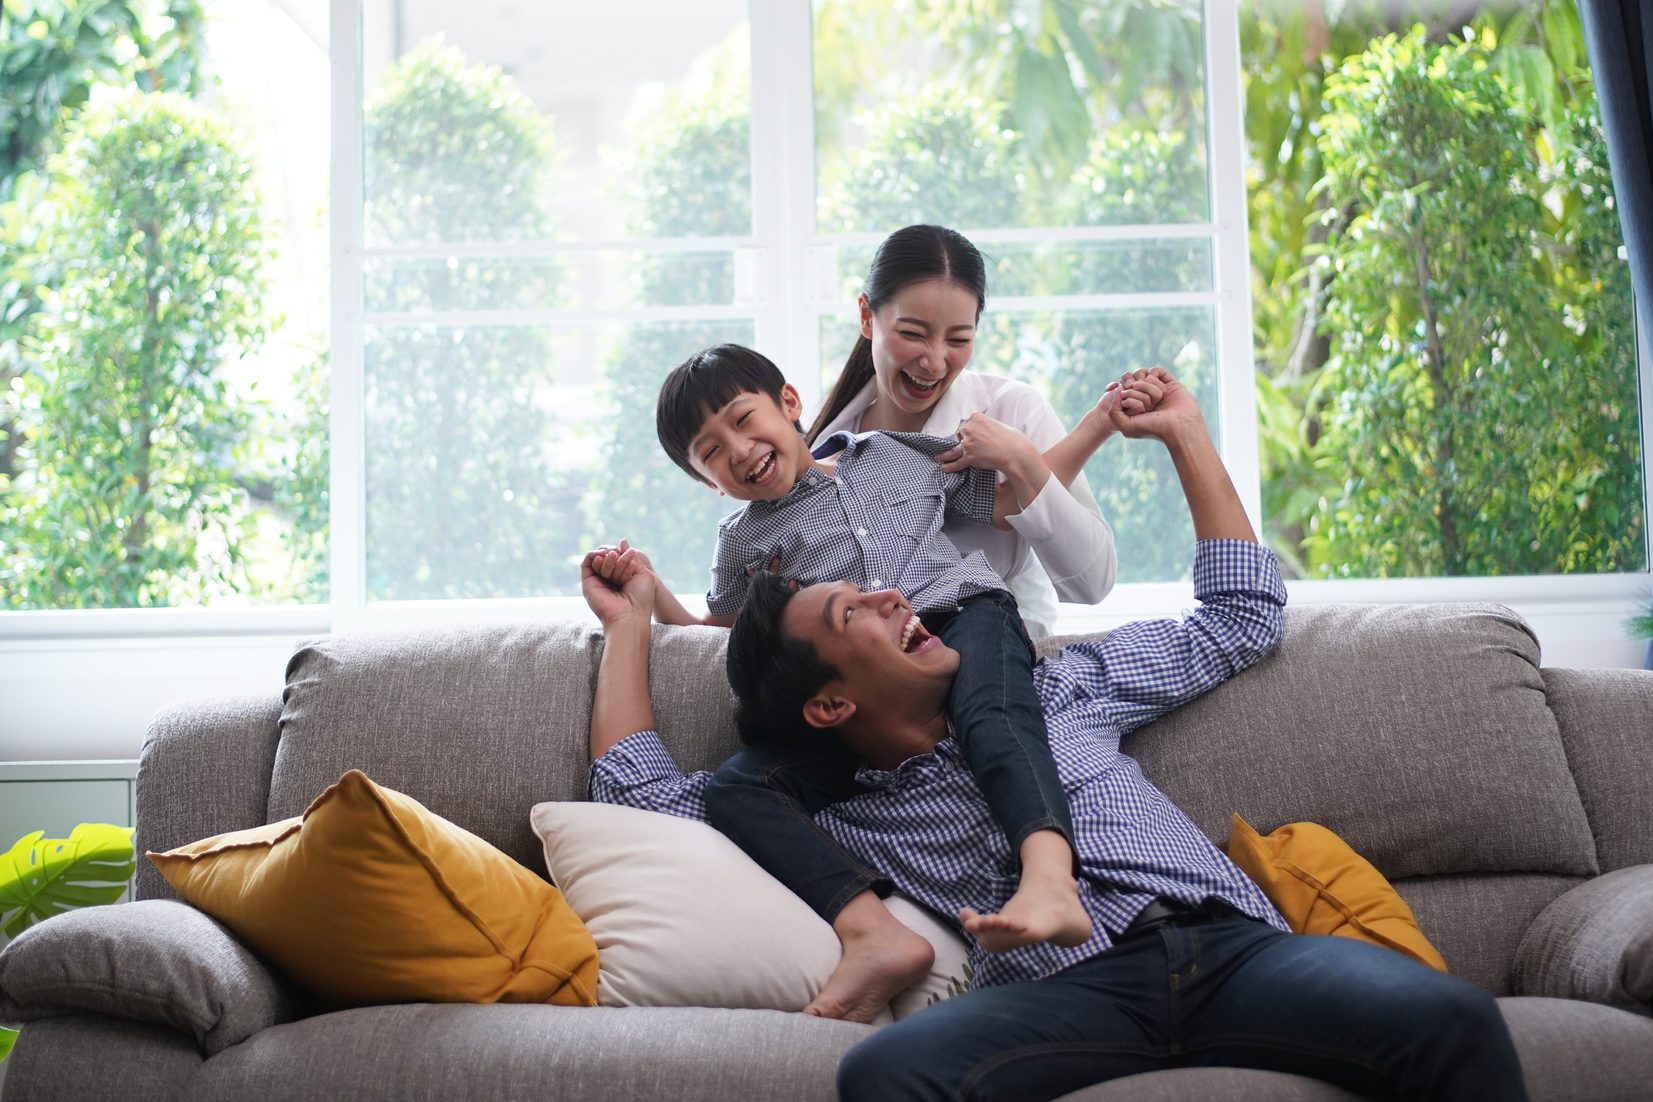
(876, 967)
(1041, 910)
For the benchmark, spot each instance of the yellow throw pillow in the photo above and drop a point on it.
(1322, 886)
(370, 898)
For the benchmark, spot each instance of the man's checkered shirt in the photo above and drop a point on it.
(877, 524)
(927, 827)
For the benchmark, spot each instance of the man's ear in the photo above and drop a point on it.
(826, 711)
(866, 316)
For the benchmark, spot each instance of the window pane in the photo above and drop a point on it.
(1140, 266)
(1445, 345)
(496, 456)
(163, 373)
(525, 123)
(1070, 356)
(596, 279)
(989, 116)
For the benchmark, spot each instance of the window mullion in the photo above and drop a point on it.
(347, 475)
(1225, 133)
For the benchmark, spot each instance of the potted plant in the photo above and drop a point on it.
(41, 877)
(1640, 626)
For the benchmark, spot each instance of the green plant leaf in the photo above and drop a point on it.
(8, 1038)
(41, 877)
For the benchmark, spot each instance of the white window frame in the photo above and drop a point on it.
(97, 650)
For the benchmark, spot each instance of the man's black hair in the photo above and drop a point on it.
(773, 676)
(705, 383)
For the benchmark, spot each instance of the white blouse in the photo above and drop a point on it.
(1059, 545)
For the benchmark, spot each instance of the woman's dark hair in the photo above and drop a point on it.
(705, 383)
(773, 676)
(910, 255)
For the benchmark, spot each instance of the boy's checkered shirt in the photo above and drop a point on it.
(877, 524)
(926, 826)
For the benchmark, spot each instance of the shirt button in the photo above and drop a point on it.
(861, 532)
(877, 583)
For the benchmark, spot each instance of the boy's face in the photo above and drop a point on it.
(750, 448)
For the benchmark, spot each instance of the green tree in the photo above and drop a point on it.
(128, 494)
(692, 176)
(463, 499)
(1457, 398)
(1134, 175)
(52, 54)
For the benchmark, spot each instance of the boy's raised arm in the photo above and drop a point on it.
(621, 591)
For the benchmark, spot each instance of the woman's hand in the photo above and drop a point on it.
(1156, 406)
(992, 445)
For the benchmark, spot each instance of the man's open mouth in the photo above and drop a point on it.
(914, 639)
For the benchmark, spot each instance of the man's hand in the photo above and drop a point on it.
(618, 583)
(1154, 405)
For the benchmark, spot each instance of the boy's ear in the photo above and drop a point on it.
(866, 317)
(826, 711)
(791, 404)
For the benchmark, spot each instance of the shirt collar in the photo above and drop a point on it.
(915, 770)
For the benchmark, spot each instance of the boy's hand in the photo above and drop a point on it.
(618, 582)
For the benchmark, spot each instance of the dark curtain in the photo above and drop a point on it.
(1619, 37)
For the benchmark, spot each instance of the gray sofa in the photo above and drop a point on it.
(1512, 806)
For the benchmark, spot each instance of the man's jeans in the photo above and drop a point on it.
(764, 798)
(1197, 992)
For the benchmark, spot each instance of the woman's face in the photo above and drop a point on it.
(921, 339)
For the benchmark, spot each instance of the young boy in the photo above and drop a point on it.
(868, 509)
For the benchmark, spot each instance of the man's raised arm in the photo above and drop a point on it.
(620, 590)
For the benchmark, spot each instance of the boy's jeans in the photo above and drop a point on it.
(1203, 991)
(764, 798)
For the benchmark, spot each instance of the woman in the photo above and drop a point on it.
(922, 299)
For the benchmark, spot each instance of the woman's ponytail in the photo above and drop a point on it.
(857, 372)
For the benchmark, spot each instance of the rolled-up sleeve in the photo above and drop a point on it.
(638, 771)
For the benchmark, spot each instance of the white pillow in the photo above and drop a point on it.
(682, 917)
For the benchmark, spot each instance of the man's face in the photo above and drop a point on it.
(875, 641)
(750, 449)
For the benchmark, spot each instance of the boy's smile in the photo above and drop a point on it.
(751, 449)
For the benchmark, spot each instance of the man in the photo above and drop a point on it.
(1188, 965)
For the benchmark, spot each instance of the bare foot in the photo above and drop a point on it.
(1041, 910)
(874, 969)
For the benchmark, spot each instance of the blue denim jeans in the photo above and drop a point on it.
(1201, 991)
(764, 799)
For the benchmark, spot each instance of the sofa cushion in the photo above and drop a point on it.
(1594, 943)
(425, 1053)
(1418, 733)
(682, 917)
(370, 898)
(1321, 886)
(151, 961)
(477, 724)
(1603, 716)
(1476, 922)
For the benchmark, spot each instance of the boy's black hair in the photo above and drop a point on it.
(773, 676)
(705, 383)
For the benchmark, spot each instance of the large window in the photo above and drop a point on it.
(1376, 240)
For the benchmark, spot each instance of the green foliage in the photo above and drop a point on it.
(8, 1038)
(1458, 400)
(52, 54)
(463, 499)
(1337, 377)
(937, 157)
(128, 496)
(693, 176)
(1136, 176)
(42, 877)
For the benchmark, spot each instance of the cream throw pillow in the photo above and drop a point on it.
(682, 917)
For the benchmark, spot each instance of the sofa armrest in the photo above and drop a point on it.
(1594, 943)
(205, 770)
(150, 961)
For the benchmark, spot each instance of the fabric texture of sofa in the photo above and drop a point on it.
(1511, 805)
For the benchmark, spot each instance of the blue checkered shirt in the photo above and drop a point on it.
(877, 524)
(927, 827)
